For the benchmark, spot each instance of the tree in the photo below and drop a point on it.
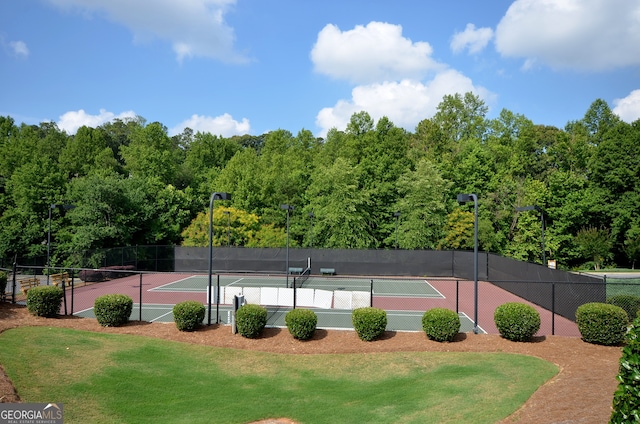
(86, 152)
(151, 153)
(423, 195)
(340, 207)
(459, 232)
(594, 244)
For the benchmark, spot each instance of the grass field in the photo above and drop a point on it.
(106, 378)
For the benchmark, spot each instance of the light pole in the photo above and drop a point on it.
(539, 209)
(228, 227)
(288, 208)
(214, 196)
(51, 207)
(397, 215)
(462, 198)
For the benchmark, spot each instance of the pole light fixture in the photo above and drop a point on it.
(52, 207)
(539, 209)
(463, 198)
(214, 196)
(397, 215)
(289, 209)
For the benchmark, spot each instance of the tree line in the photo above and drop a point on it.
(371, 186)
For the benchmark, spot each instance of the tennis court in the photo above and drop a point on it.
(331, 298)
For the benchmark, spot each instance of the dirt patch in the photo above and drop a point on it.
(581, 393)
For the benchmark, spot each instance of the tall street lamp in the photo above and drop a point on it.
(397, 215)
(539, 209)
(51, 207)
(289, 209)
(462, 198)
(214, 196)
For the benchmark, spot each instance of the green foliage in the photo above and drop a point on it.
(626, 399)
(44, 301)
(301, 323)
(188, 315)
(630, 303)
(517, 321)
(113, 310)
(441, 324)
(251, 320)
(601, 323)
(594, 244)
(369, 323)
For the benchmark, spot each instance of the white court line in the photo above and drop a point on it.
(233, 282)
(173, 282)
(435, 289)
(469, 318)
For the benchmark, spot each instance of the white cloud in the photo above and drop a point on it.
(592, 35)
(405, 103)
(223, 125)
(194, 27)
(71, 121)
(366, 54)
(19, 48)
(628, 108)
(475, 40)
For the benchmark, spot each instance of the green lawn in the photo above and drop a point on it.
(107, 378)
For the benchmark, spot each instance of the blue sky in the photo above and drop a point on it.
(250, 66)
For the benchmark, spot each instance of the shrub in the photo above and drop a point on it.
(251, 320)
(369, 323)
(301, 323)
(517, 322)
(113, 310)
(601, 323)
(441, 324)
(626, 399)
(188, 315)
(628, 302)
(91, 275)
(44, 301)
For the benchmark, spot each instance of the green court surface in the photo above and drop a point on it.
(418, 288)
(397, 320)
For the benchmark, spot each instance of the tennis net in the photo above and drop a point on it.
(302, 278)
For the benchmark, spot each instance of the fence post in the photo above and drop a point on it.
(13, 283)
(140, 300)
(553, 309)
(217, 300)
(371, 295)
(294, 292)
(457, 297)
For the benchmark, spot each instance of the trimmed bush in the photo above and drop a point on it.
(517, 322)
(626, 399)
(301, 323)
(188, 315)
(251, 320)
(113, 310)
(628, 302)
(369, 323)
(441, 324)
(601, 323)
(44, 301)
